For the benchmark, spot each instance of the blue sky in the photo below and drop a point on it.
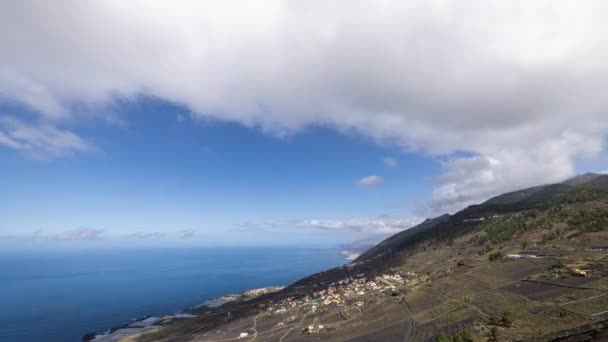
(162, 171)
(271, 122)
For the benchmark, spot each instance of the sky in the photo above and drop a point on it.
(151, 123)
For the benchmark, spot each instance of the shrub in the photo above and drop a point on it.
(467, 336)
(495, 256)
(507, 318)
(441, 338)
(558, 266)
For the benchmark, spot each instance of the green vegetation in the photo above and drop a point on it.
(393, 293)
(502, 229)
(562, 217)
(589, 220)
(495, 256)
(507, 318)
(441, 338)
(553, 235)
(494, 334)
(558, 266)
(578, 195)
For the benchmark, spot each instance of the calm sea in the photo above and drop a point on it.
(60, 296)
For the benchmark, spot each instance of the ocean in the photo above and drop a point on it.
(60, 296)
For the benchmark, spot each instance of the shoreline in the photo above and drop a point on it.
(149, 323)
(350, 255)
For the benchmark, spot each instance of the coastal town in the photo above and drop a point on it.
(348, 292)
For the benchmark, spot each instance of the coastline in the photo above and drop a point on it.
(144, 324)
(151, 323)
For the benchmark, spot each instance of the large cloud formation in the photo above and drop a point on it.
(518, 86)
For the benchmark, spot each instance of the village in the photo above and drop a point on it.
(351, 291)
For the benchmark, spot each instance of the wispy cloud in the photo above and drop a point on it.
(40, 140)
(78, 234)
(93, 234)
(186, 233)
(370, 181)
(145, 235)
(371, 226)
(249, 227)
(391, 162)
(383, 225)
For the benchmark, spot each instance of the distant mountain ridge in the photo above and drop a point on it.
(448, 225)
(516, 199)
(540, 192)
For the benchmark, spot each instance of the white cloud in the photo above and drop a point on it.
(391, 162)
(469, 180)
(368, 226)
(145, 235)
(39, 141)
(507, 82)
(370, 181)
(186, 233)
(78, 234)
(89, 234)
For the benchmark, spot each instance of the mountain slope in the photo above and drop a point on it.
(523, 266)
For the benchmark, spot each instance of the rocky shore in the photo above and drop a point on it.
(131, 329)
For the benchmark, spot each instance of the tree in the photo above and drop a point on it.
(507, 319)
(467, 336)
(441, 338)
(495, 256)
(494, 334)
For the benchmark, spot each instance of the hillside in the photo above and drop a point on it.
(528, 265)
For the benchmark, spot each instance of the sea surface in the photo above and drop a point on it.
(59, 296)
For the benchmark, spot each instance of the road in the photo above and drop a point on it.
(410, 330)
(410, 325)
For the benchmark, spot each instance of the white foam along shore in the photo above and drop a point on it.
(246, 295)
(148, 324)
(137, 327)
(350, 255)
